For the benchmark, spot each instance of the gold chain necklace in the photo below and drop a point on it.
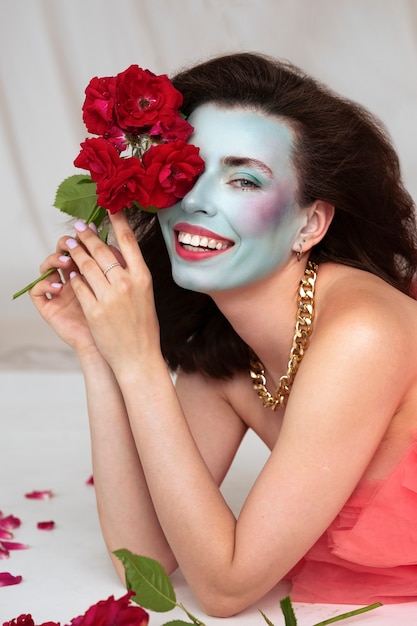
(303, 329)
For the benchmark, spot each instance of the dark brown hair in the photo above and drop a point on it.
(342, 155)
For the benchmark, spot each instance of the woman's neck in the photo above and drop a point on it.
(264, 314)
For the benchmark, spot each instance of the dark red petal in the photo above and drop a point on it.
(39, 495)
(13, 545)
(10, 522)
(46, 525)
(8, 579)
(22, 620)
(4, 554)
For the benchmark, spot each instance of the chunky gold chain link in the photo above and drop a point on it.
(303, 329)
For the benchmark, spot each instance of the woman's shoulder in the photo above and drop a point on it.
(365, 325)
(362, 300)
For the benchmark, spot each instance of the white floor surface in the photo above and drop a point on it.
(44, 444)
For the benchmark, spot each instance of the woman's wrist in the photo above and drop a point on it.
(92, 358)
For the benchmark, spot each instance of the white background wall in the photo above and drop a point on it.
(49, 50)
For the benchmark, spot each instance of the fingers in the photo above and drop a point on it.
(126, 240)
(59, 260)
(92, 258)
(50, 286)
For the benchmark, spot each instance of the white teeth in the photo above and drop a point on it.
(196, 241)
(184, 237)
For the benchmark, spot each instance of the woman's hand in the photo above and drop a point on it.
(55, 300)
(116, 297)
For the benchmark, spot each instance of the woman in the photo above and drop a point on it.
(292, 258)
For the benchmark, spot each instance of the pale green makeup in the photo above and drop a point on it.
(239, 222)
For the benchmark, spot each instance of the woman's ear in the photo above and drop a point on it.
(319, 217)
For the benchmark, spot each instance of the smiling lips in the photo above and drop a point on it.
(194, 243)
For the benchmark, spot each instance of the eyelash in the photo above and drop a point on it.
(249, 185)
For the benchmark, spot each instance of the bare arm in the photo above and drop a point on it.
(126, 511)
(228, 563)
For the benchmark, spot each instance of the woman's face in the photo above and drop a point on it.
(239, 222)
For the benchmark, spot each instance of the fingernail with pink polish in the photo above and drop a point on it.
(73, 274)
(93, 227)
(71, 243)
(64, 259)
(56, 285)
(80, 226)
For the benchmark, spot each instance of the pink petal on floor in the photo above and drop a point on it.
(46, 525)
(5, 534)
(8, 579)
(39, 495)
(13, 545)
(10, 522)
(4, 554)
(90, 480)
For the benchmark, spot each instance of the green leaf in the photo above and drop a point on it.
(103, 233)
(268, 621)
(148, 579)
(288, 612)
(338, 618)
(76, 196)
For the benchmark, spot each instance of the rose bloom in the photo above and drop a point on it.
(171, 129)
(99, 157)
(124, 187)
(171, 171)
(113, 612)
(117, 138)
(143, 98)
(98, 107)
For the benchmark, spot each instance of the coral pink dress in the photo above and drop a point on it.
(369, 553)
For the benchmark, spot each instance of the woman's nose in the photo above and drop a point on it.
(200, 199)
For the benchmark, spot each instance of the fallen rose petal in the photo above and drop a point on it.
(46, 525)
(39, 495)
(90, 481)
(8, 579)
(13, 545)
(4, 554)
(5, 534)
(10, 522)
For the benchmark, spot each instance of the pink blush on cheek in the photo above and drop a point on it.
(262, 217)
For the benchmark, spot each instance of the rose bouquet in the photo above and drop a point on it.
(138, 156)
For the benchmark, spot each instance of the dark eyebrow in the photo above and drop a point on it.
(234, 161)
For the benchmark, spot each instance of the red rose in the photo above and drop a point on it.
(27, 620)
(98, 107)
(22, 620)
(124, 187)
(142, 98)
(113, 612)
(171, 129)
(116, 137)
(99, 157)
(171, 171)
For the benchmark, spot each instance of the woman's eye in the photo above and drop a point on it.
(244, 183)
